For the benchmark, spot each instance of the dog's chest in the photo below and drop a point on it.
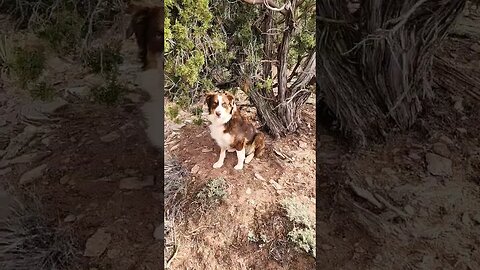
(223, 139)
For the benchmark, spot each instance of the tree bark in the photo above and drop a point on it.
(283, 52)
(267, 48)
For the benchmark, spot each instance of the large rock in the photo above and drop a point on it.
(133, 183)
(110, 137)
(438, 165)
(97, 243)
(57, 64)
(441, 149)
(17, 143)
(78, 91)
(32, 175)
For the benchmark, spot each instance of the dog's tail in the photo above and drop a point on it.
(259, 142)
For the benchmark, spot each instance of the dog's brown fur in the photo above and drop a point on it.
(147, 24)
(244, 134)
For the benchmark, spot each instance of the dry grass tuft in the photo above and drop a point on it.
(29, 241)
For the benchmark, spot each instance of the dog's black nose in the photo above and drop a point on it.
(218, 114)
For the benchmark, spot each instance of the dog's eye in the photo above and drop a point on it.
(224, 105)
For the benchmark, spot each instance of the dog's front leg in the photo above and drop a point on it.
(221, 158)
(241, 159)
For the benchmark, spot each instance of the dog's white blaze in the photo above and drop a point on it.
(217, 128)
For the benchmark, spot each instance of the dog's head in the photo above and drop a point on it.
(221, 107)
(147, 24)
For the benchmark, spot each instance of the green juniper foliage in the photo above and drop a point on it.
(209, 42)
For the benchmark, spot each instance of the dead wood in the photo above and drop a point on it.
(375, 63)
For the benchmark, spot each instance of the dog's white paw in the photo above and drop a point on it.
(217, 165)
(238, 167)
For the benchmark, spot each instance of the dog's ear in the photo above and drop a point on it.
(231, 98)
(208, 98)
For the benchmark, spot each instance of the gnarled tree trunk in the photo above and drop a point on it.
(280, 113)
(375, 63)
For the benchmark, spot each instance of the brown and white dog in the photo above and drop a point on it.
(147, 20)
(147, 24)
(231, 131)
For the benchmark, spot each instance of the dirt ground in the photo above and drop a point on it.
(413, 201)
(99, 177)
(92, 166)
(216, 236)
(391, 206)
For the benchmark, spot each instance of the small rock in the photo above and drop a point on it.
(259, 177)
(359, 250)
(177, 127)
(133, 183)
(458, 105)
(206, 150)
(466, 219)
(446, 140)
(5, 171)
(32, 175)
(70, 218)
(326, 247)
(64, 179)
(57, 64)
(195, 169)
(110, 137)
(388, 171)
(475, 47)
(441, 149)
(276, 185)
(50, 107)
(113, 253)
(367, 195)
(414, 156)
(438, 165)
(97, 243)
(79, 91)
(17, 143)
(369, 180)
(409, 210)
(47, 140)
(158, 233)
(462, 130)
(378, 258)
(248, 191)
(131, 172)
